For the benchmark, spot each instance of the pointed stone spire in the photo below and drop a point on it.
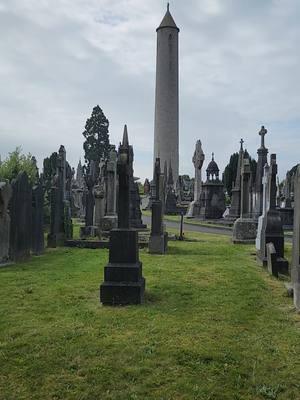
(168, 21)
(125, 141)
(170, 177)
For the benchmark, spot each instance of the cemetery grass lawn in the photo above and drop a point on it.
(214, 326)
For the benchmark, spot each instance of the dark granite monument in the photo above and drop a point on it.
(123, 280)
(158, 237)
(235, 208)
(5, 195)
(21, 218)
(37, 241)
(171, 200)
(271, 227)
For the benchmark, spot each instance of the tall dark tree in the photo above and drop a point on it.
(96, 145)
(229, 173)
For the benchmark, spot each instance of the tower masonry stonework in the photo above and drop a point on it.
(166, 121)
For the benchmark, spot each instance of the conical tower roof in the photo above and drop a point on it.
(168, 21)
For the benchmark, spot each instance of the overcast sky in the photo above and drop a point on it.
(239, 69)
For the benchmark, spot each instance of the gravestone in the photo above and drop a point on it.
(100, 195)
(5, 195)
(123, 280)
(89, 200)
(37, 242)
(21, 218)
(258, 188)
(60, 210)
(110, 220)
(171, 200)
(260, 238)
(272, 230)
(295, 270)
(275, 265)
(158, 237)
(198, 160)
(244, 228)
(235, 208)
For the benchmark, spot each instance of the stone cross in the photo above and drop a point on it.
(242, 142)
(198, 160)
(262, 133)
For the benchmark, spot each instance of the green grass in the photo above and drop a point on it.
(188, 221)
(214, 326)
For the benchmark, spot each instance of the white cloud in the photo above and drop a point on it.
(238, 69)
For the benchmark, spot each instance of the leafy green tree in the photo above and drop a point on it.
(17, 162)
(96, 145)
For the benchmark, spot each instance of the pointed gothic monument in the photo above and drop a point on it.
(166, 132)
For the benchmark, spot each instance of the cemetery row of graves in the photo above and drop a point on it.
(106, 197)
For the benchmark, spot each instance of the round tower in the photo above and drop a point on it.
(166, 131)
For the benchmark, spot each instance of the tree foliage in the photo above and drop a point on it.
(229, 173)
(17, 162)
(96, 145)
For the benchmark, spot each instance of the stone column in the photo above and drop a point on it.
(37, 244)
(295, 275)
(5, 195)
(109, 221)
(262, 160)
(234, 211)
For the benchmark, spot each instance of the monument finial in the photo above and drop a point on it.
(125, 141)
(213, 156)
(168, 7)
(242, 142)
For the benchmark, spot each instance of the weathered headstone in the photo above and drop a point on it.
(258, 189)
(275, 265)
(89, 200)
(5, 195)
(100, 196)
(198, 160)
(272, 230)
(158, 237)
(171, 200)
(21, 218)
(244, 228)
(295, 271)
(37, 243)
(123, 281)
(110, 220)
(235, 209)
(60, 213)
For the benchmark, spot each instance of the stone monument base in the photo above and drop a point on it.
(244, 231)
(276, 265)
(108, 223)
(158, 243)
(123, 280)
(86, 231)
(56, 240)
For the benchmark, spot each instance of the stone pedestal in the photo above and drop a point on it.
(158, 239)
(108, 223)
(244, 231)
(276, 265)
(123, 281)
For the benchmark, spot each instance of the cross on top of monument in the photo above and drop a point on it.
(168, 6)
(262, 133)
(213, 156)
(242, 142)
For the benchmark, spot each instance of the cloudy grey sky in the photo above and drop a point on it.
(239, 69)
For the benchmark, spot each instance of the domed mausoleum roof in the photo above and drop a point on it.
(212, 170)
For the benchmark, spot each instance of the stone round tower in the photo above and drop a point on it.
(166, 132)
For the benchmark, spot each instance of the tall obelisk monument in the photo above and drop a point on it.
(166, 130)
